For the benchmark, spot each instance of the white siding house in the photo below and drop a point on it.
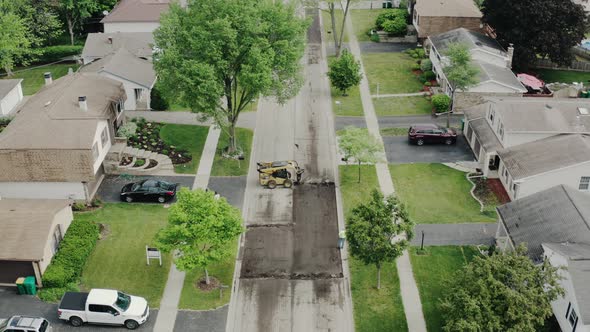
(11, 94)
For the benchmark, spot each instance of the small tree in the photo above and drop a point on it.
(379, 231)
(441, 102)
(345, 72)
(359, 144)
(502, 292)
(157, 101)
(460, 72)
(201, 228)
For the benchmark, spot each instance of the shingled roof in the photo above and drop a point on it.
(137, 11)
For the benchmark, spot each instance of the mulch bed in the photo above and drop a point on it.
(213, 284)
(126, 161)
(147, 137)
(496, 186)
(152, 164)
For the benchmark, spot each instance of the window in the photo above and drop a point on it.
(57, 237)
(501, 131)
(98, 308)
(584, 183)
(572, 317)
(95, 151)
(123, 301)
(104, 137)
(492, 114)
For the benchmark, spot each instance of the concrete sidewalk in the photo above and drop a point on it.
(408, 287)
(169, 304)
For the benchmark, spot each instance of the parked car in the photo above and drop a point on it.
(149, 190)
(431, 134)
(25, 324)
(105, 307)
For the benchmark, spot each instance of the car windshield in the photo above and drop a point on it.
(123, 301)
(135, 187)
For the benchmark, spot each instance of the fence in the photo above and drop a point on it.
(575, 66)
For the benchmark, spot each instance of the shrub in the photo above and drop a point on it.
(429, 75)
(55, 53)
(165, 152)
(396, 27)
(158, 102)
(426, 65)
(375, 38)
(441, 102)
(97, 202)
(427, 84)
(422, 79)
(50, 294)
(78, 206)
(139, 162)
(127, 130)
(415, 66)
(390, 15)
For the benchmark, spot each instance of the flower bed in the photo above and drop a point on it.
(3, 123)
(147, 137)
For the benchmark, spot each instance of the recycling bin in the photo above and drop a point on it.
(20, 287)
(30, 286)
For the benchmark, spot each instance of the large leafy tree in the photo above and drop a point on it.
(40, 18)
(503, 292)
(15, 37)
(75, 11)
(201, 228)
(547, 28)
(331, 9)
(360, 145)
(379, 231)
(218, 55)
(345, 72)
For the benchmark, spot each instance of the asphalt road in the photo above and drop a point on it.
(399, 151)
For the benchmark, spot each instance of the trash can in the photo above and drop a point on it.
(30, 286)
(462, 124)
(584, 94)
(20, 287)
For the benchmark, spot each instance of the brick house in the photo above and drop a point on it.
(56, 143)
(432, 17)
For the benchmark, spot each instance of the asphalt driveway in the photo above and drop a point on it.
(111, 185)
(399, 151)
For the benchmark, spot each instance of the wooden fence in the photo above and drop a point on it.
(575, 66)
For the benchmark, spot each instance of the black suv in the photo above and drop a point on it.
(431, 133)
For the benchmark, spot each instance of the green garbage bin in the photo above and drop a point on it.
(584, 94)
(20, 287)
(30, 286)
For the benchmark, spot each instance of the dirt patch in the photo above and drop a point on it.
(104, 230)
(213, 284)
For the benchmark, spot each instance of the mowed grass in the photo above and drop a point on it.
(119, 260)
(328, 33)
(433, 271)
(376, 310)
(562, 76)
(363, 20)
(415, 105)
(186, 137)
(394, 131)
(392, 71)
(33, 79)
(233, 167)
(353, 192)
(195, 299)
(351, 104)
(436, 194)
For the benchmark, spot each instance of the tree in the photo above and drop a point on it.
(546, 28)
(379, 231)
(332, 11)
(201, 228)
(75, 11)
(359, 144)
(345, 72)
(15, 40)
(219, 55)
(502, 292)
(40, 18)
(460, 72)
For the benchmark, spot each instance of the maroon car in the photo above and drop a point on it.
(431, 134)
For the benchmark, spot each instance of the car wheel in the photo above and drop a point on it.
(128, 199)
(76, 321)
(161, 199)
(131, 324)
(272, 184)
(448, 141)
(288, 184)
(420, 142)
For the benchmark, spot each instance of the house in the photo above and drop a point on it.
(554, 224)
(502, 123)
(433, 17)
(11, 94)
(135, 16)
(56, 144)
(31, 232)
(495, 77)
(135, 73)
(99, 45)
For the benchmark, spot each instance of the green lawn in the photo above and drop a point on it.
(351, 104)
(186, 137)
(432, 272)
(376, 310)
(327, 24)
(233, 167)
(394, 131)
(195, 299)
(353, 192)
(118, 261)
(436, 194)
(563, 76)
(393, 72)
(417, 105)
(33, 78)
(363, 20)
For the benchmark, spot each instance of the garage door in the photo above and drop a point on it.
(11, 270)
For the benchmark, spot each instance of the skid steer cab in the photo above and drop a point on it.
(283, 173)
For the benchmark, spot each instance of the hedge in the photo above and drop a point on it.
(67, 264)
(441, 103)
(157, 101)
(51, 54)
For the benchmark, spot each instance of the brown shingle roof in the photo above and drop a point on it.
(137, 11)
(97, 45)
(25, 225)
(451, 8)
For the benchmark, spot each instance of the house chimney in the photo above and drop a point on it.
(48, 78)
(110, 39)
(510, 55)
(82, 103)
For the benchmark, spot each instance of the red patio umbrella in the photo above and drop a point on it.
(531, 81)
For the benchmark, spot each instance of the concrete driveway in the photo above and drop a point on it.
(111, 185)
(399, 151)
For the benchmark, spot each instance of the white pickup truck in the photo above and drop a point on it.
(103, 306)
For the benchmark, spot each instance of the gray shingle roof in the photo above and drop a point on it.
(7, 85)
(452, 8)
(558, 214)
(502, 75)
(485, 135)
(137, 11)
(137, 43)
(471, 39)
(545, 155)
(126, 66)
